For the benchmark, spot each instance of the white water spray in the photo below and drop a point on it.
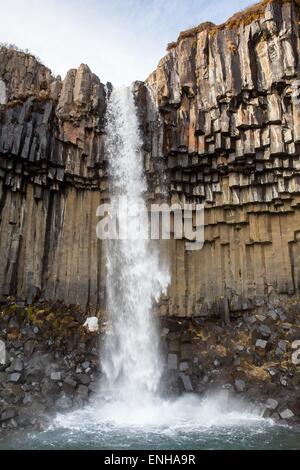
(135, 276)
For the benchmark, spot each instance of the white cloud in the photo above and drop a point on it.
(121, 40)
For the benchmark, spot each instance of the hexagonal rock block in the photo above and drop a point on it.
(56, 376)
(286, 414)
(240, 385)
(272, 404)
(261, 346)
(186, 380)
(172, 362)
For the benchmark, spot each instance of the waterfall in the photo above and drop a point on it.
(131, 362)
(129, 406)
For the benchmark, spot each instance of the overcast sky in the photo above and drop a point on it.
(120, 40)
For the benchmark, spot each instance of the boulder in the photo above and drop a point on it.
(186, 380)
(286, 414)
(281, 348)
(264, 331)
(92, 324)
(56, 376)
(240, 385)
(69, 385)
(84, 379)
(165, 332)
(63, 403)
(172, 362)
(183, 366)
(272, 404)
(16, 366)
(15, 378)
(261, 346)
(7, 414)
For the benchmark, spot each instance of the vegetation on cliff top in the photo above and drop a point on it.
(244, 17)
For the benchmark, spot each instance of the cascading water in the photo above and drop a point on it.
(135, 276)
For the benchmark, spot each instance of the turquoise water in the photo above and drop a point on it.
(262, 436)
(189, 423)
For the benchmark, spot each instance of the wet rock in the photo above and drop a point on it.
(240, 385)
(56, 376)
(83, 392)
(264, 331)
(270, 407)
(172, 362)
(8, 414)
(85, 365)
(186, 380)
(64, 403)
(174, 346)
(27, 400)
(183, 366)
(84, 379)
(286, 414)
(29, 347)
(274, 416)
(261, 346)
(69, 385)
(186, 351)
(16, 366)
(272, 404)
(16, 377)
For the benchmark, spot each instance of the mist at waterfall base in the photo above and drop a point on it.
(188, 423)
(129, 411)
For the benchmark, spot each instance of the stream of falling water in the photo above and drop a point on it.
(135, 275)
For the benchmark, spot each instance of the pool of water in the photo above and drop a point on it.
(183, 424)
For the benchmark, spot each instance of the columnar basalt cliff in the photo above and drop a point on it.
(51, 178)
(228, 97)
(220, 117)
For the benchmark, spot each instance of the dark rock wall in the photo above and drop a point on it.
(52, 178)
(229, 102)
(221, 123)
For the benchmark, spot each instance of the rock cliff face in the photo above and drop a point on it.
(220, 117)
(228, 97)
(51, 177)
